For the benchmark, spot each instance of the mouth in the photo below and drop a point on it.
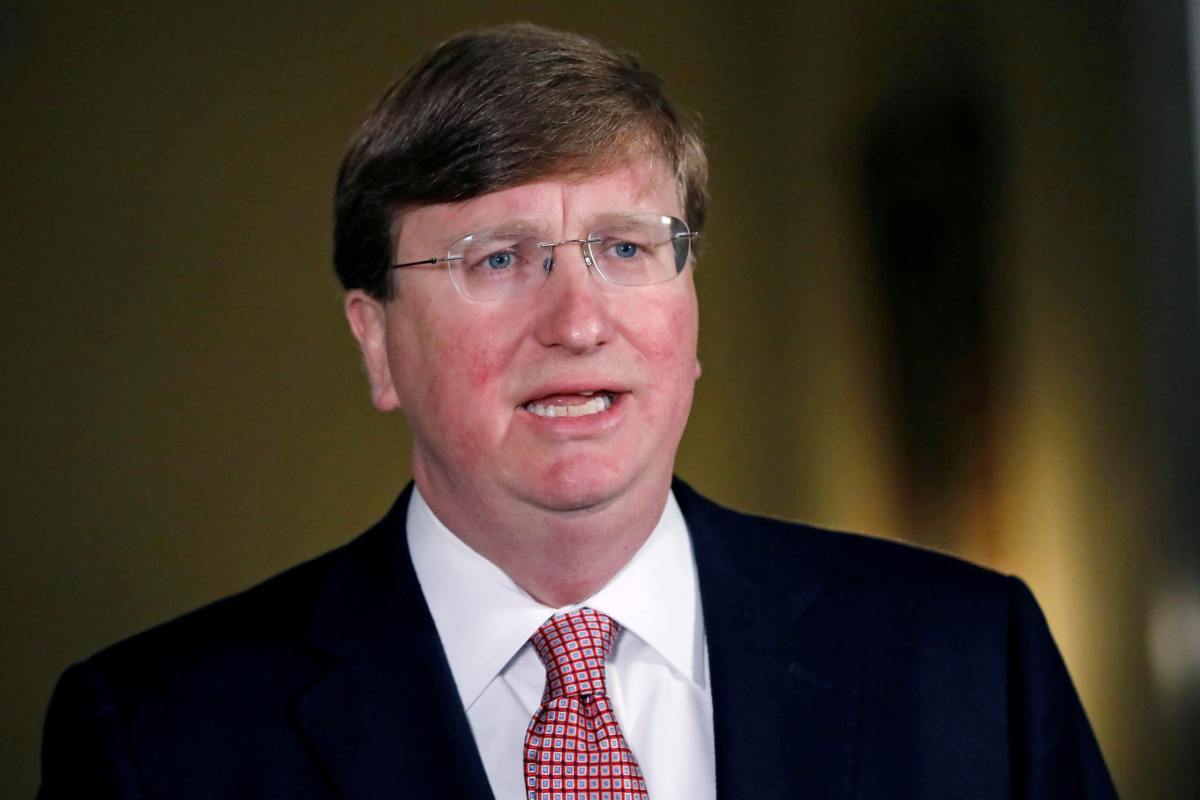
(577, 404)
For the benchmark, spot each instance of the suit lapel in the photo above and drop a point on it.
(784, 692)
(386, 721)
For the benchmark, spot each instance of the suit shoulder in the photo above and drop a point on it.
(781, 547)
(272, 610)
(262, 623)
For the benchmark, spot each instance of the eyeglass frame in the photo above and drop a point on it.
(548, 262)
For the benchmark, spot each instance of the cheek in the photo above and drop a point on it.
(478, 363)
(483, 366)
(669, 337)
(458, 358)
(463, 372)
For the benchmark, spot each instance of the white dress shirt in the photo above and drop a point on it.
(657, 673)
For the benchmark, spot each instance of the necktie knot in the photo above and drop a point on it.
(573, 647)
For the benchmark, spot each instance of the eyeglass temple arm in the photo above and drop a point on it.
(426, 261)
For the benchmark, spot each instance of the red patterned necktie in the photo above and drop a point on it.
(573, 748)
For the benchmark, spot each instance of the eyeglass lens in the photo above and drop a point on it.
(635, 250)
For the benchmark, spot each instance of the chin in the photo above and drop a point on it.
(580, 487)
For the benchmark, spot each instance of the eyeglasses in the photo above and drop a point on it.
(509, 261)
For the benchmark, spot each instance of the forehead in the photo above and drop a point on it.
(555, 204)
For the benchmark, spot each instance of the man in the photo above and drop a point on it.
(544, 613)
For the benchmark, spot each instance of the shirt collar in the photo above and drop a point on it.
(655, 597)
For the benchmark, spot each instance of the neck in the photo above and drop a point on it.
(558, 557)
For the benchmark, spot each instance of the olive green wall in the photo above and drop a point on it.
(184, 412)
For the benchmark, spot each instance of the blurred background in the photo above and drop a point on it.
(949, 295)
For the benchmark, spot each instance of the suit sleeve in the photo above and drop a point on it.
(1055, 753)
(85, 748)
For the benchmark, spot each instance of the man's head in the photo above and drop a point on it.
(494, 109)
(573, 396)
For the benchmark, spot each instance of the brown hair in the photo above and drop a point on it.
(493, 109)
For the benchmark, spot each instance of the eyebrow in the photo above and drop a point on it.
(527, 226)
(620, 216)
(520, 225)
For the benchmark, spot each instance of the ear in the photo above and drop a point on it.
(368, 322)
(698, 369)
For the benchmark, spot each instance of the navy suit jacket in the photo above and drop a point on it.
(842, 667)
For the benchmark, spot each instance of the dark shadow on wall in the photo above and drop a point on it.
(931, 182)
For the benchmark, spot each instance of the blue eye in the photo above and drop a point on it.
(625, 250)
(502, 260)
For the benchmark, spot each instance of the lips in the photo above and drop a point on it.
(563, 406)
(573, 403)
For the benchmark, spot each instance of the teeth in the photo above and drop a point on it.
(593, 406)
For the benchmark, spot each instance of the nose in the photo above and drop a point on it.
(574, 310)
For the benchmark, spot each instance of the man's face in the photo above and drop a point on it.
(475, 378)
